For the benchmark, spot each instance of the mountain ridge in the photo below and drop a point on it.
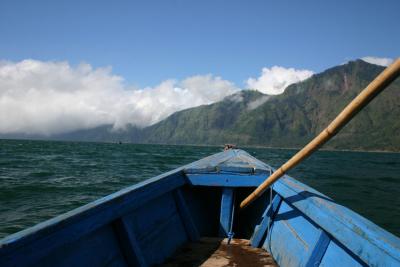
(288, 120)
(294, 117)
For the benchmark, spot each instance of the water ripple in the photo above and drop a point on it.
(39, 180)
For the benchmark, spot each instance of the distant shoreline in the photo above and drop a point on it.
(329, 149)
(203, 145)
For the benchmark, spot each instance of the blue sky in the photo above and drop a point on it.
(147, 42)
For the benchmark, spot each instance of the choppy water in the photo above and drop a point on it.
(42, 179)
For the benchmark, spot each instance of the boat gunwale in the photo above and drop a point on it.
(337, 218)
(83, 211)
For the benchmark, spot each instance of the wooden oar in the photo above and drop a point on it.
(369, 93)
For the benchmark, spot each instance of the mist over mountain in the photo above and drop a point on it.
(288, 120)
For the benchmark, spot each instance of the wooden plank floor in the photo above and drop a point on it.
(215, 252)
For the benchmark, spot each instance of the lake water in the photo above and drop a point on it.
(42, 179)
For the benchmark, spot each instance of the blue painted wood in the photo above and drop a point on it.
(372, 244)
(226, 180)
(319, 250)
(186, 217)
(237, 161)
(204, 206)
(40, 240)
(98, 248)
(292, 237)
(336, 255)
(128, 242)
(261, 230)
(164, 240)
(159, 228)
(226, 211)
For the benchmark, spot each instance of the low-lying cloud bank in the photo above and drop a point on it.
(54, 97)
(273, 81)
(381, 61)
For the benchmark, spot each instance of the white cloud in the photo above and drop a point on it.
(39, 97)
(381, 61)
(273, 81)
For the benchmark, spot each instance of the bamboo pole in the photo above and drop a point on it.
(369, 93)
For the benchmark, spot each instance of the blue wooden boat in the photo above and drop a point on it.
(148, 224)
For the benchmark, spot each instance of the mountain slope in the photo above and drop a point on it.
(208, 124)
(288, 120)
(293, 118)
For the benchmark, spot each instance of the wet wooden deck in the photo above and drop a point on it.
(215, 252)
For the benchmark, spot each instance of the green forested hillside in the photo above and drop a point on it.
(293, 118)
